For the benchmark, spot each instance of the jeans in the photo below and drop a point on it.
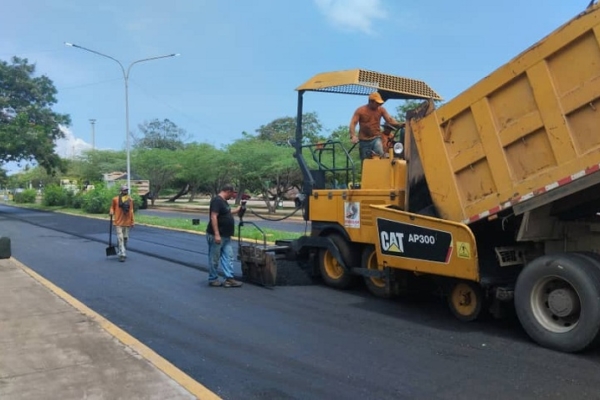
(366, 148)
(122, 236)
(219, 253)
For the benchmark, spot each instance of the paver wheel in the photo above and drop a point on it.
(465, 300)
(377, 286)
(333, 273)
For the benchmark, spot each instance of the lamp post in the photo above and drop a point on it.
(126, 79)
(93, 122)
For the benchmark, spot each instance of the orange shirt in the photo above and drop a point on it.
(369, 121)
(120, 218)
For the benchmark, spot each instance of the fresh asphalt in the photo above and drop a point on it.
(306, 342)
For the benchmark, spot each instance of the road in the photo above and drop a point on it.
(295, 224)
(306, 342)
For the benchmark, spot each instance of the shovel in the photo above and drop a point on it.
(110, 250)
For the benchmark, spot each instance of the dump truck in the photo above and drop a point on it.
(140, 187)
(492, 199)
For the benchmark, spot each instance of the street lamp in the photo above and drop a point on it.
(93, 122)
(126, 79)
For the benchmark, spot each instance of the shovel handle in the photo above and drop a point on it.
(110, 231)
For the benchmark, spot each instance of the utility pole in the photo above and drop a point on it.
(93, 122)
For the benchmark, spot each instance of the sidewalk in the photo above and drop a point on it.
(54, 347)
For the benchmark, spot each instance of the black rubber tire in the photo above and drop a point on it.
(595, 258)
(472, 311)
(582, 275)
(332, 272)
(377, 286)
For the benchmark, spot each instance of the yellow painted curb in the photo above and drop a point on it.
(194, 387)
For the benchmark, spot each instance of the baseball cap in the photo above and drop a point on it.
(124, 187)
(376, 97)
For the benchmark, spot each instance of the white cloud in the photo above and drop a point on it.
(67, 147)
(70, 146)
(354, 15)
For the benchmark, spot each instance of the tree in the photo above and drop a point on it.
(35, 177)
(158, 134)
(3, 177)
(92, 164)
(160, 166)
(281, 130)
(200, 164)
(263, 166)
(28, 126)
(408, 105)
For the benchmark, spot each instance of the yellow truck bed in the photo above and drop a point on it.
(531, 126)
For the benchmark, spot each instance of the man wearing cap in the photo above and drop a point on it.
(368, 118)
(121, 209)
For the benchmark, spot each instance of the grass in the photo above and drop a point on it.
(184, 224)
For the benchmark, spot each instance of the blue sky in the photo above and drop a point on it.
(241, 60)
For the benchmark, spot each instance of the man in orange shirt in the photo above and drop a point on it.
(121, 209)
(368, 118)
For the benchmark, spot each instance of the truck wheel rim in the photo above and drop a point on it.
(464, 299)
(332, 266)
(372, 264)
(555, 304)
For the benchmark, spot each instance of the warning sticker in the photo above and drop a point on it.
(352, 214)
(463, 249)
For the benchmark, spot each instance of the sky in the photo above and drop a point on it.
(240, 61)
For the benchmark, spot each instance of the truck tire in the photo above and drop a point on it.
(557, 300)
(377, 286)
(332, 272)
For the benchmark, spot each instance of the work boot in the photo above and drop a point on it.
(230, 282)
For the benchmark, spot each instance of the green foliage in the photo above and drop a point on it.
(75, 200)
(159, 166)
(97, 201)
(28, 126)
(158, 134)
(281, 130)
(92, 164)
(262, 166)
(54, 195)
(201, 167)
(36, 176)
(3, 177)
(337, 156)
(26, 196)
(408, 105)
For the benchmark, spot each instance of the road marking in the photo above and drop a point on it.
(192, 386)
